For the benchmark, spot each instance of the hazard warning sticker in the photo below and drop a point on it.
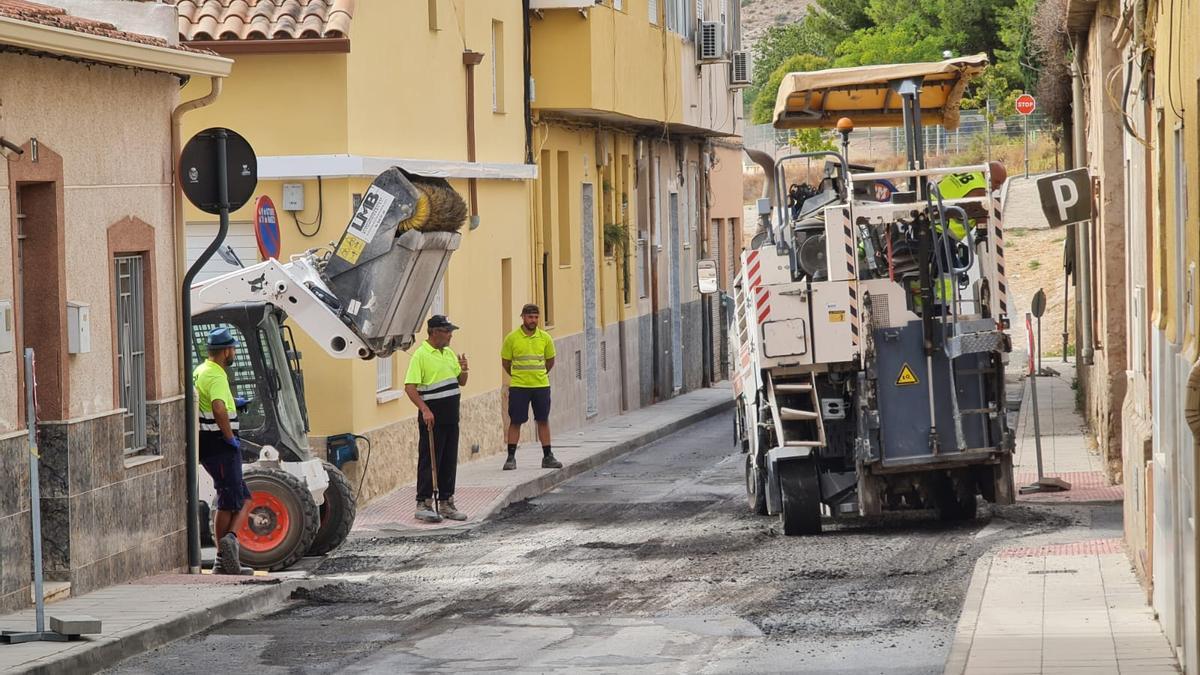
(906, 377)
(351, 248)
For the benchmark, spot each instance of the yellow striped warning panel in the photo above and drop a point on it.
(907, 377)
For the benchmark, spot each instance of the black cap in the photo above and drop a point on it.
(439, 321)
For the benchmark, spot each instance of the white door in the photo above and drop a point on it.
(591, 331)
(674, 261)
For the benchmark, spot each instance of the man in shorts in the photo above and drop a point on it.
(528, 356)
(221, 449)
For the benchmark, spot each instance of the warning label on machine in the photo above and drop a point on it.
(906, 377)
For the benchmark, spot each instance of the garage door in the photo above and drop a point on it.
(240, 237)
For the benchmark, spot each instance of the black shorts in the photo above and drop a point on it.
(226, 471)
(519, 400)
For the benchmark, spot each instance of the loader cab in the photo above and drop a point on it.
(265, 370)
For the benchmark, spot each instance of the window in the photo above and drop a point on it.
(384, 370)
(131, 350)
(654, 11)
(547, 216)
(619, 5)
(564, 209)
(498, 66)
(680, 18)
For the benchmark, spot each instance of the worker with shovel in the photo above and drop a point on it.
(435, 375)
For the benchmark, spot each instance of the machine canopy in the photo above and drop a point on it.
(866, 94)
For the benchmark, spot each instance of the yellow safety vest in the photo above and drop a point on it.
(528, 354)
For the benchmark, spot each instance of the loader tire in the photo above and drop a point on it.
(283, 520)
(800, 488)
(756, 487)
(337, 513)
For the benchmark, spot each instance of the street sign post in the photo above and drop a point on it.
(1043, 484)
(218, 172)
(1025, 105)
(1066, 197)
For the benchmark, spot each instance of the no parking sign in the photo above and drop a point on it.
(266, 228)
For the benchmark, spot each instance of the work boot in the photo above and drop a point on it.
(510, 463)
(426, 513)
(449, 511)
(550, 462)
(228, 555)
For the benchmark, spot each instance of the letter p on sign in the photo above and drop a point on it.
(1066, 197)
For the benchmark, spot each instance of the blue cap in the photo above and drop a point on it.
(221, 337)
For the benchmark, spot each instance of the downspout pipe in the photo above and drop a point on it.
(528, 66)
(183, 305)
(1083, 253)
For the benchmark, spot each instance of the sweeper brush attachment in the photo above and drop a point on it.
(439, 207)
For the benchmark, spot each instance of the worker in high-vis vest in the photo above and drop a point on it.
(961, 186)
(433, 383)
(221, 449)
(528, 357)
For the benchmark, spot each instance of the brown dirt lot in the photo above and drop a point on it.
(1034, 260)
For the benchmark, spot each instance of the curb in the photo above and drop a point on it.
(106, 652)
(964, 633)
(545, 483)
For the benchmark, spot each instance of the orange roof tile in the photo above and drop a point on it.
(204, 20)
(46, 15)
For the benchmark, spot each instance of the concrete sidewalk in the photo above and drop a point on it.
(483, 489)
(1065, 605)
(137, 617)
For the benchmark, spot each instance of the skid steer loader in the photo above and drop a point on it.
(869, 341)
(365, 297)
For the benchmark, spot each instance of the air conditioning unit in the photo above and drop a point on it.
(711, 41)
(739, 69)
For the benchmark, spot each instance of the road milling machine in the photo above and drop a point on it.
(870, 320)
(365, 297)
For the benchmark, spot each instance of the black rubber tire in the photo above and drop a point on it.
(336, 514)
(956, 500)
(302, 515)
(801, 492)
(756, 488)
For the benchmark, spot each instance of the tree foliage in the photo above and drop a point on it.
(868, 32)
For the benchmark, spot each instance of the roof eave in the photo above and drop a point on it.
(1079, 15)
(101, 49)
(276, 46)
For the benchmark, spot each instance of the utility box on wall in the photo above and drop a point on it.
(293, 196)
(79, 328)
(7, 326)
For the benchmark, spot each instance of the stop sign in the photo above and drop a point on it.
(1025, 104)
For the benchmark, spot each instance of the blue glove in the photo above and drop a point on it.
(235, 443)
(240, 402)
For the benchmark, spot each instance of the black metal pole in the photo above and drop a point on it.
(189, 395)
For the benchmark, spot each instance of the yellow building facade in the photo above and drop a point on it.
(638, 178)
(330, 110)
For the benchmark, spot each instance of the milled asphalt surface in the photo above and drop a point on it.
(652, 563)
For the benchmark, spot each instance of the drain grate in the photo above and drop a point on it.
(1055, 572)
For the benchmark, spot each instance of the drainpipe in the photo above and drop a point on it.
(1083, 253)
(470, 60)
(527, 62)
(191, 468)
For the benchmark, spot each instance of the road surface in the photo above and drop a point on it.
(652, 563)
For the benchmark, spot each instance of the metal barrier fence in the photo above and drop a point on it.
(972, 134)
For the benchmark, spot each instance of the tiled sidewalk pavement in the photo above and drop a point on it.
(1063, 607)
(137, 617)
(483, 489)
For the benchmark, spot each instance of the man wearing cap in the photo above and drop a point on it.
(435, 375)
(220, 448)
(528, 356)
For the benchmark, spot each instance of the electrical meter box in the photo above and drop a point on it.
(79, 328)
(7, 326)
(293, 196)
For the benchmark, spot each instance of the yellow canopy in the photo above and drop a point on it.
(863, 93)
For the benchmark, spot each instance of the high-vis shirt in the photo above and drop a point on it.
(957, 186)
(435, 373)
(212, 384)
(528, 354)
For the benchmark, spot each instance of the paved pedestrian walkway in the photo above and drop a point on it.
(1061, 606)
(137, 617)
(1022, 205)
(483, 489)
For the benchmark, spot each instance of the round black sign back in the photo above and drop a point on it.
(1038, 306)
(198, 170)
